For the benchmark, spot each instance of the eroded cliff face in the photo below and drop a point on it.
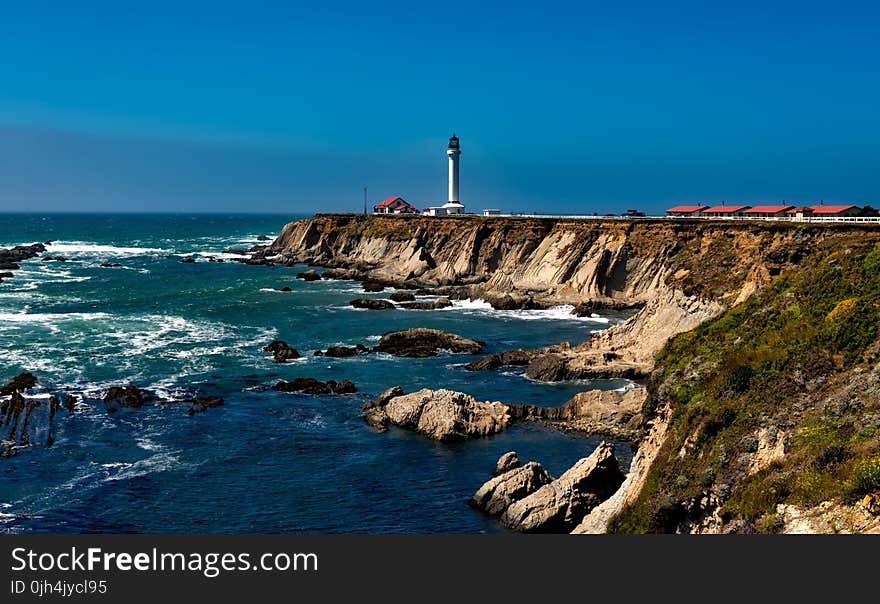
(682, 273)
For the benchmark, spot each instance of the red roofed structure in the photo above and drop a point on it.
(723, 211)
(686, 211)
(395, 205)
(768, 211)
(824, 210)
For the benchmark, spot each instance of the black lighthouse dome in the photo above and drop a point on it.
(453, 142)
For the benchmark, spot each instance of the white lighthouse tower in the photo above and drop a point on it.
(453, 151)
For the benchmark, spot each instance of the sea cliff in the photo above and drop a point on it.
(746, 333)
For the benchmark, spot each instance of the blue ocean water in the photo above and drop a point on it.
(265, 462)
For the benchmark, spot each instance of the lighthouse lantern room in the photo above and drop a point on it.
(453, 151)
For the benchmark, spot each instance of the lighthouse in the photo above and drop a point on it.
(453, 151)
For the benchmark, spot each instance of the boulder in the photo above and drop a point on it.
(507, 462)
(558, 507)
(437, 304)
(281, 352)
(548, 367)
(372, 286)
(421, 342)
(20, 383)
(446, 415)
(499, 493)
(509, 301)
(188, 260)
(127, 396)
(309, 275)
(262, 238)
(507, 358)
(402, 296)
(343, 351)
(372, 304)
(286, 288)
(309, 385)
(374, 410)
(200, 404)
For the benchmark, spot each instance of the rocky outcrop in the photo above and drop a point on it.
(506, 358)
(506, 462)
(442, 415)
(127, 396)
(10, 258)
(281, 351)
(402, 296)
(562, 504)
(499, 493)
(422, 342)
(340, 352)
(309, 275)
(372, 304)
(611, 412)
(441, 302)
(309, 385)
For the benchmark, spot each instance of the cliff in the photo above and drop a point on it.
(750, 334)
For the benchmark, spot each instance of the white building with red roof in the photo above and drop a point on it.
(776, 211)
(686, 211)
(724, 211)
(394, 205)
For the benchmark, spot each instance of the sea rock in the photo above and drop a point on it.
(110, 265)
(510, 301)
(446, 415)
(597, 411)
(127, 396)
(309, 275)
(402, 296)
(437, 304)
(286, 288)
(343, 351)
(372, 304)
(507, 462)
(374, 410)
(548, 367)
(558, 507)
(20, 383)
(262, 238)
(499, 493)
(421, 342)
(188, 260)
(200, 404)
(281, 352)
(309, 385)
(372, 286)
(507, 358)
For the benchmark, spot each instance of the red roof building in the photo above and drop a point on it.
(394, 205)
(723, 211)
(686, 211)
(768, 211)
(823, 210)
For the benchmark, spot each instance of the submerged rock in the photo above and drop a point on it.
(442, 415)
(422, 342)
(372, 304)
(200, 404)
(560, 506)
(309, 385)
(281, 352)
(127, 396)
(499, 493)
(20, 383)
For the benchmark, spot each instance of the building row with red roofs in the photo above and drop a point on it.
(768, 211)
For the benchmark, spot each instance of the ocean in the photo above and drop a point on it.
(264, 462)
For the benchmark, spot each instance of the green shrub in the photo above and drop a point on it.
(865, 478)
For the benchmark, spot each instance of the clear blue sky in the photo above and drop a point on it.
(570, 106)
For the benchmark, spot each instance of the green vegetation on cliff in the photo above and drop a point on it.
(793, 364)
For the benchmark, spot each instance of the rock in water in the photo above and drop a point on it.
(20, 383)
(442, 302)
(558, 507)
(372, 286)
(374, 410)
(200, 404)
(372, 304)
(343, 351)
(421, 342)
(507, 462)
(127, 396)
(402, 296)
(309, 385)
(442, 415)
(281, 352)
(507, 358)
(310, 275)
(499, 493)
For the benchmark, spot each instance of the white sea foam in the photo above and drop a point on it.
(85, 247)
(561, 312)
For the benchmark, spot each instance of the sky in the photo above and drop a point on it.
(561, 107)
